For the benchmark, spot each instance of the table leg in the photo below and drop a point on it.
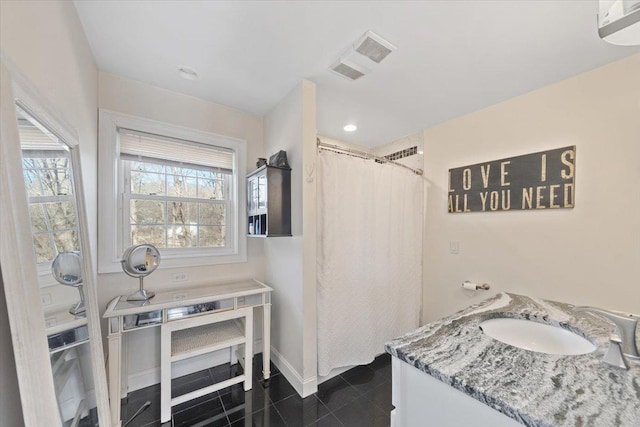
(124, 367)
(115, 363)
(266, 340)
(165, 374)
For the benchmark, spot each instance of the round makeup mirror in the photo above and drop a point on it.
(66, 268)
(140, 261)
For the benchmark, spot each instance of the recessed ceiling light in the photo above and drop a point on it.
(188, 73)
(350, 128)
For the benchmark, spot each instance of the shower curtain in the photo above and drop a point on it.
(369, 257)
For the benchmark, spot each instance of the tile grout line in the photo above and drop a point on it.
(330, 412)
(226, 415)
(362, 395)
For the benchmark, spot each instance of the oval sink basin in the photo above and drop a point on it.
(536, 336)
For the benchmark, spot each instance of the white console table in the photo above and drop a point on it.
(126, 316)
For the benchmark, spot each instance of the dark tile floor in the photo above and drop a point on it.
(359, 397)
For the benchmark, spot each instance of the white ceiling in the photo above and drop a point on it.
(453, 57)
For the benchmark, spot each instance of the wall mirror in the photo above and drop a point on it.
(46, 266)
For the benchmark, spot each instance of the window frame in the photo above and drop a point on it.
(127, 196)
(111, 212)
(67, 141)
(44, 268)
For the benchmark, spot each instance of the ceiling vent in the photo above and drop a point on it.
(367, 52)
(619, 22)
(349, 69)
(373, 47)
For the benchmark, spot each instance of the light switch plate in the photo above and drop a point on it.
(454, 248)
(46, 299)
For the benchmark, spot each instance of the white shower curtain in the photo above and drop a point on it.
(369, 257)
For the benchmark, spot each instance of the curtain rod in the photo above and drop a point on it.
(362, 154)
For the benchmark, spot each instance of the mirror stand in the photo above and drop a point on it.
(142, 294)
(140, 261)
(79, 308)
(66, 268)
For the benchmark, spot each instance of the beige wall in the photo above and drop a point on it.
(283, 255)
(343, 144)
(290, 261)
(586, 255)
(46, 43)
(142, 100)
(139, 99)
(309, 237)
(415, 140)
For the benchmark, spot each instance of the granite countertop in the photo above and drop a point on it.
(535, 389)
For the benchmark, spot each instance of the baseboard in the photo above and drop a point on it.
(303, 386)
(334, 373)
(151, 376)
(337, 371)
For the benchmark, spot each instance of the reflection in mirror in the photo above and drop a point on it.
(49, 184)
(48, 173)
(48, 178)
(67, 270)
(140, 261)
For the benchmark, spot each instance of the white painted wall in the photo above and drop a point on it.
(586, 255)
(139, 99)
(46, 43)
(290, 261)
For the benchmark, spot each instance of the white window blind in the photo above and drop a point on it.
(147, 147)
(34, 138)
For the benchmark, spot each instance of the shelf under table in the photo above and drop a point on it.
(204, 339)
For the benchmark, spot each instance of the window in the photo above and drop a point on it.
(176, 194)
(175, 188)
(46, 165)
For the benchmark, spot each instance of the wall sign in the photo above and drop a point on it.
(543, 180)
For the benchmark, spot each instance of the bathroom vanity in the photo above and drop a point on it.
(451, 373)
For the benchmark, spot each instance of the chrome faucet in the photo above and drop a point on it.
(614, 356)
(625, 329)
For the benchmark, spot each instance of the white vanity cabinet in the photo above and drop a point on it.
(422, 400)
(452, 373)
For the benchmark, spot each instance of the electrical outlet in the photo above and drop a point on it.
(46, 299)
(179, 277)
(180, 296)
(454, 248)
